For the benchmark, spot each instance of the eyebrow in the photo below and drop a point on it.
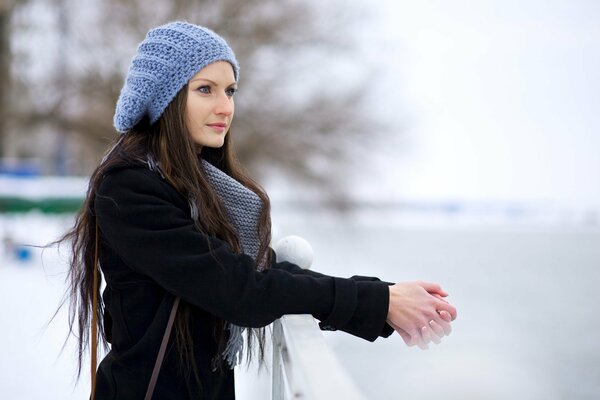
(213, 82)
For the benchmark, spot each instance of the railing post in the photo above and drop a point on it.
(277, 386)
(303, 365)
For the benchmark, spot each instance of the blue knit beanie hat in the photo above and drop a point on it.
(166, 60)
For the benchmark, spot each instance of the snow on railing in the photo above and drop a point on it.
(304, 367)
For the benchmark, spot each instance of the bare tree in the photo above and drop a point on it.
(294, 111)
(6, 9)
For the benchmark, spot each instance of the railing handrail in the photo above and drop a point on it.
(304, 366)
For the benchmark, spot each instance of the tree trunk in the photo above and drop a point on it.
(5, 58)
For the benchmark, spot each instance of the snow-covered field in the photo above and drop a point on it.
(526, 329)
(32, 365)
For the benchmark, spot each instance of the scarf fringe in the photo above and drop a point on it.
(233, 351)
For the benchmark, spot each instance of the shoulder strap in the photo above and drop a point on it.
(161, 351)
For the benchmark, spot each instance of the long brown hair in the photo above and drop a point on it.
(169, 142)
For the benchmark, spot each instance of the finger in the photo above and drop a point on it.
(432, 288)
(411, 341)
(405, 336)
(443, 306)
(437, 329)
(434, 337)
(439, 297)
(444, 321)
(417, 339)
(423, 340)
(445, 326)
(445, 315)
(428, 336)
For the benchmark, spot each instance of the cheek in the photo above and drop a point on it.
(195, 118)
(187, 117)
(195, 108)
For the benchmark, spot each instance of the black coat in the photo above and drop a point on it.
(151, 252)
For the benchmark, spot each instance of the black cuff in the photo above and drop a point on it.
(371, 311)
(387, 330)
(344, 305)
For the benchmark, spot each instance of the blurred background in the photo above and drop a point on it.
(456, 142)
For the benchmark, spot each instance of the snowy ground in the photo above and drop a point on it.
(32, 365)
(526, 328)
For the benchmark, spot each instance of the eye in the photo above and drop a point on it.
(231, 92)
(204, 89)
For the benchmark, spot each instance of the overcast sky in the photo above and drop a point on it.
(494, 99)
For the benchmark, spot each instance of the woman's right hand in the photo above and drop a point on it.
(419, 312)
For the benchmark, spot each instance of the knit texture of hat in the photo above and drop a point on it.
(166, 60)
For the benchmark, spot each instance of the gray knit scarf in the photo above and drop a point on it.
(243, 208)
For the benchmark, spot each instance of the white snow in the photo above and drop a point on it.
(44, 187)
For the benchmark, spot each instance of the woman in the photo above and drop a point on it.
(180, 229)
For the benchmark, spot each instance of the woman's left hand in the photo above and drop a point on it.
(434, 333)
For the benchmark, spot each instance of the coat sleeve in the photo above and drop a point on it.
(295, 269)
(140, 218)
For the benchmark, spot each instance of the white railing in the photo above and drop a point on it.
(304, 367)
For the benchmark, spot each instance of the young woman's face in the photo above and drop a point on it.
(209, 107)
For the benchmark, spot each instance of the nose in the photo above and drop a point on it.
(224, 105)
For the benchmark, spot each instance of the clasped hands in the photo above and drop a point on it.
(419, 312)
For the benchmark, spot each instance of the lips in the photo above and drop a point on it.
(218, 127)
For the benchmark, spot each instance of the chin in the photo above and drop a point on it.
(213, 143)
(216, 145)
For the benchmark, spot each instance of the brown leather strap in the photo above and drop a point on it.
(161, 351)
(94, 347)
